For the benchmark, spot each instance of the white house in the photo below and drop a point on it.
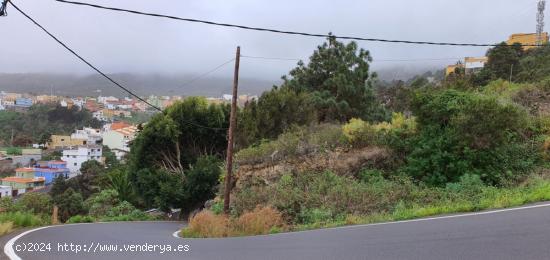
(5, 191)
(104, 100)
(474, 64)
(227, 97)
(75, 156)
(119, 140)
(99, 115)
(78, 102)
(91, 135)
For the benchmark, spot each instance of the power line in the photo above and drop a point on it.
(206, 73)
(410, 60)
(277, 30)
(99, 71)
(270, 58)
(374, 60)
(81, 58)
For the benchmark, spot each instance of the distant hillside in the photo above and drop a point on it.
(71, 85)
(404, 72)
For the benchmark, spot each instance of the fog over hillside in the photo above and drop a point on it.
(157, 84)
(72, 85)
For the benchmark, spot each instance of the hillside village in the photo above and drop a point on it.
(32, 173)
(475, 64)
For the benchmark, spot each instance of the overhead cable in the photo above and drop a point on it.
(254, 28)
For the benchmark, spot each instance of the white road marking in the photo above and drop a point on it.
(175, 234)
(10, 252)
(8, 248)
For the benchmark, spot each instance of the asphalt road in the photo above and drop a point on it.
(509, 234)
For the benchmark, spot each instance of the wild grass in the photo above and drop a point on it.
(535, 189)
(295, 142)
(6, 228)
(80, 219)
(260, 221)
(21, 219)
(207, 224)
(321, 200)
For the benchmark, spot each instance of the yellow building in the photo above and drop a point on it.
(452, 68)
(527, 39)
(108, 113)
(64, 141)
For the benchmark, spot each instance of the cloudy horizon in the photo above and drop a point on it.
(125, 43)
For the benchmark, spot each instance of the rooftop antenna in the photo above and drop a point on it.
(540, 21)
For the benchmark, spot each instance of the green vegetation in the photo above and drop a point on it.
(299, 141)
(21, 219)
(174, 163)
(326, 149)
(14, 151)
(472, 142)
(40, 122)
(334, 86)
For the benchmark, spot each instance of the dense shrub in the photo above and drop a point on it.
(106, 206)
(315, 215)
(134, 215)
(34, 202)
(360, 133)
(296, 142)
(466, 133)
(70, 203)
(80, 219)
(274, 113)
(102, 203)
(7, 205)
(14, 151)
(298, 196)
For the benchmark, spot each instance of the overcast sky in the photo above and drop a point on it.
(118, 42)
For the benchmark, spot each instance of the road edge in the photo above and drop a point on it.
(542, 204)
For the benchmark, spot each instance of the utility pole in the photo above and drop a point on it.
(511, 72)
(3, 7)
(11, 139)
(232, 124)
(540, 21)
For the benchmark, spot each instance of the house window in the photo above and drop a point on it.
(74, 156)
(74, 164)
(62, 140)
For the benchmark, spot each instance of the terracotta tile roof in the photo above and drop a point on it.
(24, 180)
(24, 170)
(131, 130)
(59, 161)
(119, 125)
